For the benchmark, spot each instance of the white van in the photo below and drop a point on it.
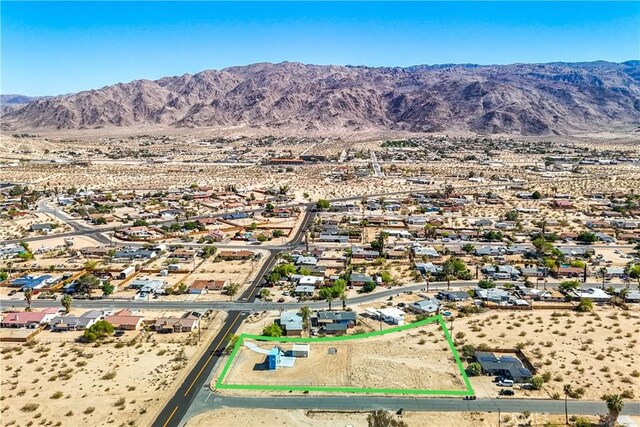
(506, 383)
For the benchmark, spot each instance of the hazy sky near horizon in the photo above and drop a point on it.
(55, 48)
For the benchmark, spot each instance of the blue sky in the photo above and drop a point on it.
(53, 48)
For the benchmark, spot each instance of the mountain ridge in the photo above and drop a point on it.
(526, 99)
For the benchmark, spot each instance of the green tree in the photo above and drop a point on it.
(327, 294)
(386, 277)
(486, 284)
(305, 312)
(272, 330)
(305, 271)
(474, 369)
(512, 215)
(140, 223)
(536, 195)
(634, 272)
(615, 404)
(208, 251)
(587, 237)
(537, 382)
(107, 288)
(264, 293)
(232, 289)
(368, 287)
(585, 305)
(569, 285)
(66, 302)
(87, 283)
(468, 248)
(3, 276)
(323, 204)
(97, 331)
(278, 233)
(101, 220)
(468, 351)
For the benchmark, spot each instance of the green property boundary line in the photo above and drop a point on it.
(438, 318)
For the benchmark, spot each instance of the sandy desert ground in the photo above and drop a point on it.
(412, 359)
(598, 352)
(55, 381)
(275, 417)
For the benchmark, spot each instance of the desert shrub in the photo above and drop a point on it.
(57, 395)
(30, 407)
(89, 410)
(474, 369)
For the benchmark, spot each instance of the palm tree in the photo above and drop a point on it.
(614, 405)
(66, 302)
(327, 294)
(343, 297)
(567, 391)
(91, 265)
(305, 313)
(28, 293)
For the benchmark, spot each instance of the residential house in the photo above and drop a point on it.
(358, 279)
(506, 366)
(29, 319)
(41, 227)
(76, 323)
(493, 295)
(453, 295)
(235, 255)
(186, 323)
(204, 286)
(425, 306)
(593, 294)
(125, 320)
(291, 323)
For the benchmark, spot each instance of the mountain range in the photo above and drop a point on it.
(519, 99)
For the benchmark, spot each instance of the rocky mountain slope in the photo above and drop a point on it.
(526, 99)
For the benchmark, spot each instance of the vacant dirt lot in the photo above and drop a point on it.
(271, 417)
(413, 359)
(55, 381)
(597, 351)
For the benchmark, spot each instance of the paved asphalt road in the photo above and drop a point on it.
(249, 306)
(175, 410)
(369, 403)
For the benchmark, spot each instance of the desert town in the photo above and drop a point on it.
(365, 272)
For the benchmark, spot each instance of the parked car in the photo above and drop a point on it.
(281, 300)
(505, 383)
(505, 392)
(118, 333)
(13, 292)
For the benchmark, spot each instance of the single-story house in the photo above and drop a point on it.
(494, 294)
(291, 323)
(235, 255)
(41, 227)
(453, 295)
(76, 323)
(358, 279)
(176, 324)
(593, 294)
(508, 366)
(29, 319)
(425, 306)
(204, 286)
(330, 317)
(126, 320)
(304, 290)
